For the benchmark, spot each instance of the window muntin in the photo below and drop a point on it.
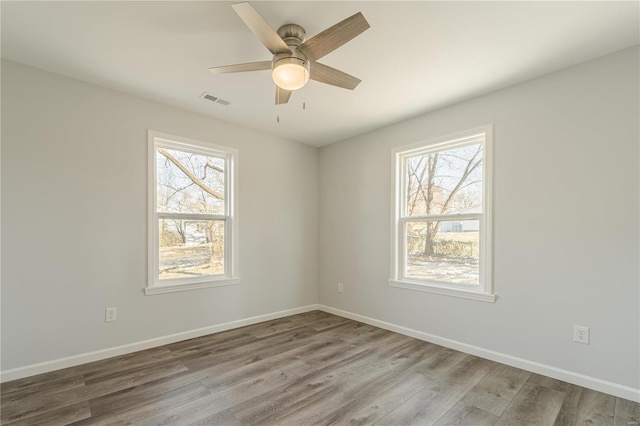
(192, 229)
(442, 227)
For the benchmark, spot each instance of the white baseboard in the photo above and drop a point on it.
(599, 385)
(57, 364)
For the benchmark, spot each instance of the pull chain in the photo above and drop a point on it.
(304, 93)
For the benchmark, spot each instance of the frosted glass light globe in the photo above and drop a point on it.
(290, 73)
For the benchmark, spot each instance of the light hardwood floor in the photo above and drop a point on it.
(313, 368)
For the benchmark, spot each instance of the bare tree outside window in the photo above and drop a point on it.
(190, 185)
(441, 184)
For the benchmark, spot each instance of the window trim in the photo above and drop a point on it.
(231, 276)
(484, 291)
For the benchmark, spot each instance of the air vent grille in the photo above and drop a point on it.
(212, 98)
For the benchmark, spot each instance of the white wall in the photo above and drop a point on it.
(74, 188)
(566, 164)
(566, 222)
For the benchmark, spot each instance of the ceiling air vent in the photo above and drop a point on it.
(210, 97)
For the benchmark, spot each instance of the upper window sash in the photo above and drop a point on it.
(403, 156)
(165, 143)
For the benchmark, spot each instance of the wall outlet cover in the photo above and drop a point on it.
(581, 334)
(110, 314)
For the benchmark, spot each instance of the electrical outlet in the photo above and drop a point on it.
(581, 334)
(110, 314)
(340, 288)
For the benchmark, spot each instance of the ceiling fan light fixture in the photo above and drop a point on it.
(290, 73)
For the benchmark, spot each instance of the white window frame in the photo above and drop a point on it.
(483, 291)
(231, 266)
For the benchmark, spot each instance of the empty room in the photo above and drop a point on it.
(320, 212)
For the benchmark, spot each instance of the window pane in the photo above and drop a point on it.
(446, 251)
(444, 182)
(189, 183)
(191, 248)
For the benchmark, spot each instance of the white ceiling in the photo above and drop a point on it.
(416, 57)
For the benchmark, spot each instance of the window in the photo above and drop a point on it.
(441, 235)
(192, 214)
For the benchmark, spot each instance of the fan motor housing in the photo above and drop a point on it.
(293, 57)
(292, 34)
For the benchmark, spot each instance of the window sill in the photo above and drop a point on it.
(447, 291)
(160, 289)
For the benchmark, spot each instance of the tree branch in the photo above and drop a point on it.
(190, 175)
(471, 166)
(213, 166)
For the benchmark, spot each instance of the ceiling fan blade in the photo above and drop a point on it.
(326, 74)
(249, 66)
(282, 95)
(261, 28)
(333, 37)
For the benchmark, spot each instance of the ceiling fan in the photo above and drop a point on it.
(294, 59)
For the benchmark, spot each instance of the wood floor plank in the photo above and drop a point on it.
(261, 349)
(310, 410)
(424, 408)
(213, 346)
(533, 405)
(496, 390)
(59, 417)
(440, 362)
(463, 376)
(131, 397)
(95, 370)
(327, 322)
(331, 355)
(37, 404)
(225, 398)
(36, 382)
(133, 376)
(257, 409)
(378, 373)
(374, 402)
(225, 418)
(586, 407)
(291, 357)
(548, 382)
(462, 414)
(627, 413)
(274, 327)
(106, 411)
(439, 396)
(308, 317)
(580, 405)
(244, 362)
(55, 386)
(355, 333)
(211, 339)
